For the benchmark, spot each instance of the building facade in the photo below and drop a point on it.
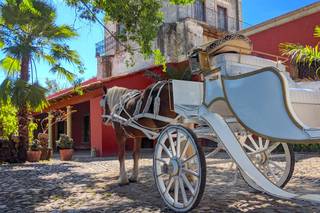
(294, 27)
(184, 28)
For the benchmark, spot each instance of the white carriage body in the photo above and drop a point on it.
(263, 98)
(304, 96)
(259, 93)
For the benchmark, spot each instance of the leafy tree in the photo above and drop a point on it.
(8, 120)
(140, 18)
(305, 57)
(28, 33)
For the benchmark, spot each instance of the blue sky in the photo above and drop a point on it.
(254, 12)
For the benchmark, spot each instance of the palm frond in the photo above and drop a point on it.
(317, 32)
(63, 52)
(37, 97)
(10, 65)
(5, 90)
(58, 33)
(1, 43)
(20, 92)
(27, 5)
(63, 72)
(301, 54)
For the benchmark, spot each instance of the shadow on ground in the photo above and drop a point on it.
(90, 185)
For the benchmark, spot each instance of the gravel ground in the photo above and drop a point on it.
(90, 185)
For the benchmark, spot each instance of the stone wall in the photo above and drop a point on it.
(179, 34)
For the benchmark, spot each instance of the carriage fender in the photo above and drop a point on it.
(236, 152)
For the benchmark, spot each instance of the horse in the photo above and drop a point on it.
(109, 101)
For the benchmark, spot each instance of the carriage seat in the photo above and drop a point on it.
(232, 64)
(233, 43)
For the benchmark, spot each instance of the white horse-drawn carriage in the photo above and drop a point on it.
(249, 107)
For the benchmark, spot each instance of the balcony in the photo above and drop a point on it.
(100, 48)
(210, 17)
(106, 47)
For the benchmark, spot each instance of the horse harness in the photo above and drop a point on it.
(132, 120)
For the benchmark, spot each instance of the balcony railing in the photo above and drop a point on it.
(210, 17)
(106, 47)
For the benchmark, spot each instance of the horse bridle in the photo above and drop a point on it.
(103, 102)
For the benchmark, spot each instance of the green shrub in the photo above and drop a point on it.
(65, 142)
(35, 145)
(306, 147)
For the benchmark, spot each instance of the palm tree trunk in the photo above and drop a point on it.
(23, 114)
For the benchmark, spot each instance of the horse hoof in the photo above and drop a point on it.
(123, 183)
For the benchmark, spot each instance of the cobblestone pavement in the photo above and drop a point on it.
(87, 184)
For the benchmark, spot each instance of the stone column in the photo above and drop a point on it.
(50, 117)
(69, 121)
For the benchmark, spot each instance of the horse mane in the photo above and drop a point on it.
(114, 94)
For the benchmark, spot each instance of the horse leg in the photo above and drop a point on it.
(123, 178)
(136, 156)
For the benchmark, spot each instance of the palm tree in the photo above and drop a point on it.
(307, 58)
(29, 34)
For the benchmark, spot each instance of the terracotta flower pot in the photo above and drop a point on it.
(46, 154)
(66, 154)
(33, 156)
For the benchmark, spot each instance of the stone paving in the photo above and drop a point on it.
(90, 185)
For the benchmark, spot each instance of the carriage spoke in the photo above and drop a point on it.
(161, 160)
(189, 185)
(171, 144)
(178, 144)
(266, 145)
(191, 172)
(171, 180)
(183, 191)
(184, 149)
(194, 155)
(253, 142)
(260, 143)
(176, 190)
(273, 147)
(166, 150)
(248, 147)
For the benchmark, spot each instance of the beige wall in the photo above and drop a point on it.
(177, 36)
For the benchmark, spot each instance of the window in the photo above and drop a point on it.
(199, 10)
(86, 129)
(222, 18)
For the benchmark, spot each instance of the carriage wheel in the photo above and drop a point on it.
(274, 159)
(179, 168)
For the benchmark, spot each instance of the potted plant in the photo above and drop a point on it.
(45, 151)
(34, 154)
(65, 144)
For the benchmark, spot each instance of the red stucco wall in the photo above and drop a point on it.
(102, 136)
(96, 125)
(296, 31)
(78, 125)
